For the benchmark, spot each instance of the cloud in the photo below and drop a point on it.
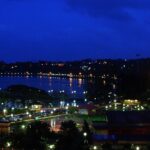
(71, 29)
(112, 9)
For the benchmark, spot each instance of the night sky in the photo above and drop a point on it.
(74, 29)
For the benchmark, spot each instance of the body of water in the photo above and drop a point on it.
(47, 83)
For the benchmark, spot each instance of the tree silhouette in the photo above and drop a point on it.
(70, 137)
(36, 137)
(87, 129)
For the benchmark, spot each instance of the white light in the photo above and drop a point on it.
(30, 115)
(85, 134)
(8, 144)
(51, 146)
(27, 113)
(23, 126)
(95, 147)
(115, 101)
(106, 107)
(137, 148)
(4, 111)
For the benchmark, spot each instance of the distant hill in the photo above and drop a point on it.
(24, 93)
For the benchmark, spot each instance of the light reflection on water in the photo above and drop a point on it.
(47, 83)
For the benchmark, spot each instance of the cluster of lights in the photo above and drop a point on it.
(50, 91)
(74, 92)
(127, 105)
(62, 91)
(74, 104)
(16, 73)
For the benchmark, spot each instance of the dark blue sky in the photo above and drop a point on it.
(73, 29)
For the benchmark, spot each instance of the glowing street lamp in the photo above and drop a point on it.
(8, 144)
(137, 148)
(27, 113)
(26, 107)
(4, 111)
(52, 146)
(23, 127)
(85, 134)
(30, 115)
(95, 148)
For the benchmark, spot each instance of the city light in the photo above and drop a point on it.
(85, 134)
(51, 146)
(26, 107)
(30, 115)
(23, 127)
(137, 147)
(4, 111)
(95, 148)
(8, 144)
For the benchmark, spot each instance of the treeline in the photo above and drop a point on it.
(84, 67)
(39, 136)
(25, 94)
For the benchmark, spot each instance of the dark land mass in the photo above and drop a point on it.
(25, 93)
(131, 77)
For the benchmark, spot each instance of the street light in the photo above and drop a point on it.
(85, 134)
(52, 146)
(26, 107)
(85, 100)
(30, 115)
(95, 148)
(27, 113)
(23, 127)
(4, 111)
(8, 144)
(137, 148)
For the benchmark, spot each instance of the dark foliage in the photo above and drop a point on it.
(24, 93)
(70, 138)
